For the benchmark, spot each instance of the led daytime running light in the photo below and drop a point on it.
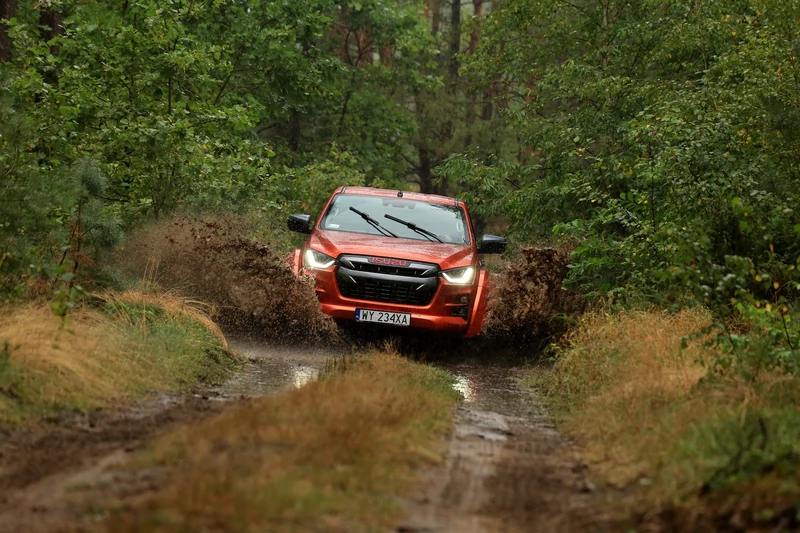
(459, 276)
(315, 259)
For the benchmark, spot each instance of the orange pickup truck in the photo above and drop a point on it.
(398, 258)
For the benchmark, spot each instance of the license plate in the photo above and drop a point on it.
(383, 317)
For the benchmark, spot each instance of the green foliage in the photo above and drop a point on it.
(740, 450)
(66, 296)
(644, 119)
(93, 224)
(309, 187)
(753, 301)
(131, 110)
(662, 135)
(28, 198)
(137, 91)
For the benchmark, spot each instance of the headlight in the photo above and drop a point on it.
(459, 276)
(315, 259)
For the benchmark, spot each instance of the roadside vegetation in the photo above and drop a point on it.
(695, 447)
(121, 347)
(333, 455)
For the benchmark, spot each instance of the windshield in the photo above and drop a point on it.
(447, 222)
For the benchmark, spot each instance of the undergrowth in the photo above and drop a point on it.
(698, 449)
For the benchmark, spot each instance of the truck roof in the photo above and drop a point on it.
(393, 193)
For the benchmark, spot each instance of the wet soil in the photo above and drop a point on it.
(42, 471)
(506, 469)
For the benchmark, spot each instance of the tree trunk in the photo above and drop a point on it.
(49, 26)
(425, 171)
(386, 55)
(474, 38)
(294, 132)
(455, 45)
(433, 10)
(8, 10)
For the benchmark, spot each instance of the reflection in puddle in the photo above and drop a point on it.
(271, 370)
(303, 374)
(496, 389)
(267, 377)
(466, 387)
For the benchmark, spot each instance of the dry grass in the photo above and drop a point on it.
(623, 375)
(171, 304)
(137, 342)
(330, 456)
(57, 365)
(650, 417)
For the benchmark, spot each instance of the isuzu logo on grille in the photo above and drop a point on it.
(388, 262)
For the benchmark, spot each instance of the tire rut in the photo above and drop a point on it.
(505, 473)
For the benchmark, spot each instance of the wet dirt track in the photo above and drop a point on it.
(506, 469)
(48, 478)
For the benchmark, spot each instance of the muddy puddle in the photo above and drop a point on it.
(272, 369)
(496, 389)
(485, 386)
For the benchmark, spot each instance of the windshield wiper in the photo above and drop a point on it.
(374, 223)
(414, 227)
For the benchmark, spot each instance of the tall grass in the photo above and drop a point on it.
(653, 419)
(132, 343)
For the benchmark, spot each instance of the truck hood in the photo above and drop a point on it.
(336, 243)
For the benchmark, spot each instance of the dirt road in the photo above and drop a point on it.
(506, 469)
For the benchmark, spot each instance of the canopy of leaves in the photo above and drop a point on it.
(197, 104)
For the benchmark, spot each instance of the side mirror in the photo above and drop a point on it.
(299, 223)
(492, 244)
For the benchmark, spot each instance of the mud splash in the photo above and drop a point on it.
(528, 307)
(250, 285)
(255, 292)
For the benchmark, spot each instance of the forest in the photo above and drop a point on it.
(656, 141)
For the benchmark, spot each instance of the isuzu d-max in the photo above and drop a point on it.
(403, 259)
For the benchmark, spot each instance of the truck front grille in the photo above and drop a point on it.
(415, 284)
